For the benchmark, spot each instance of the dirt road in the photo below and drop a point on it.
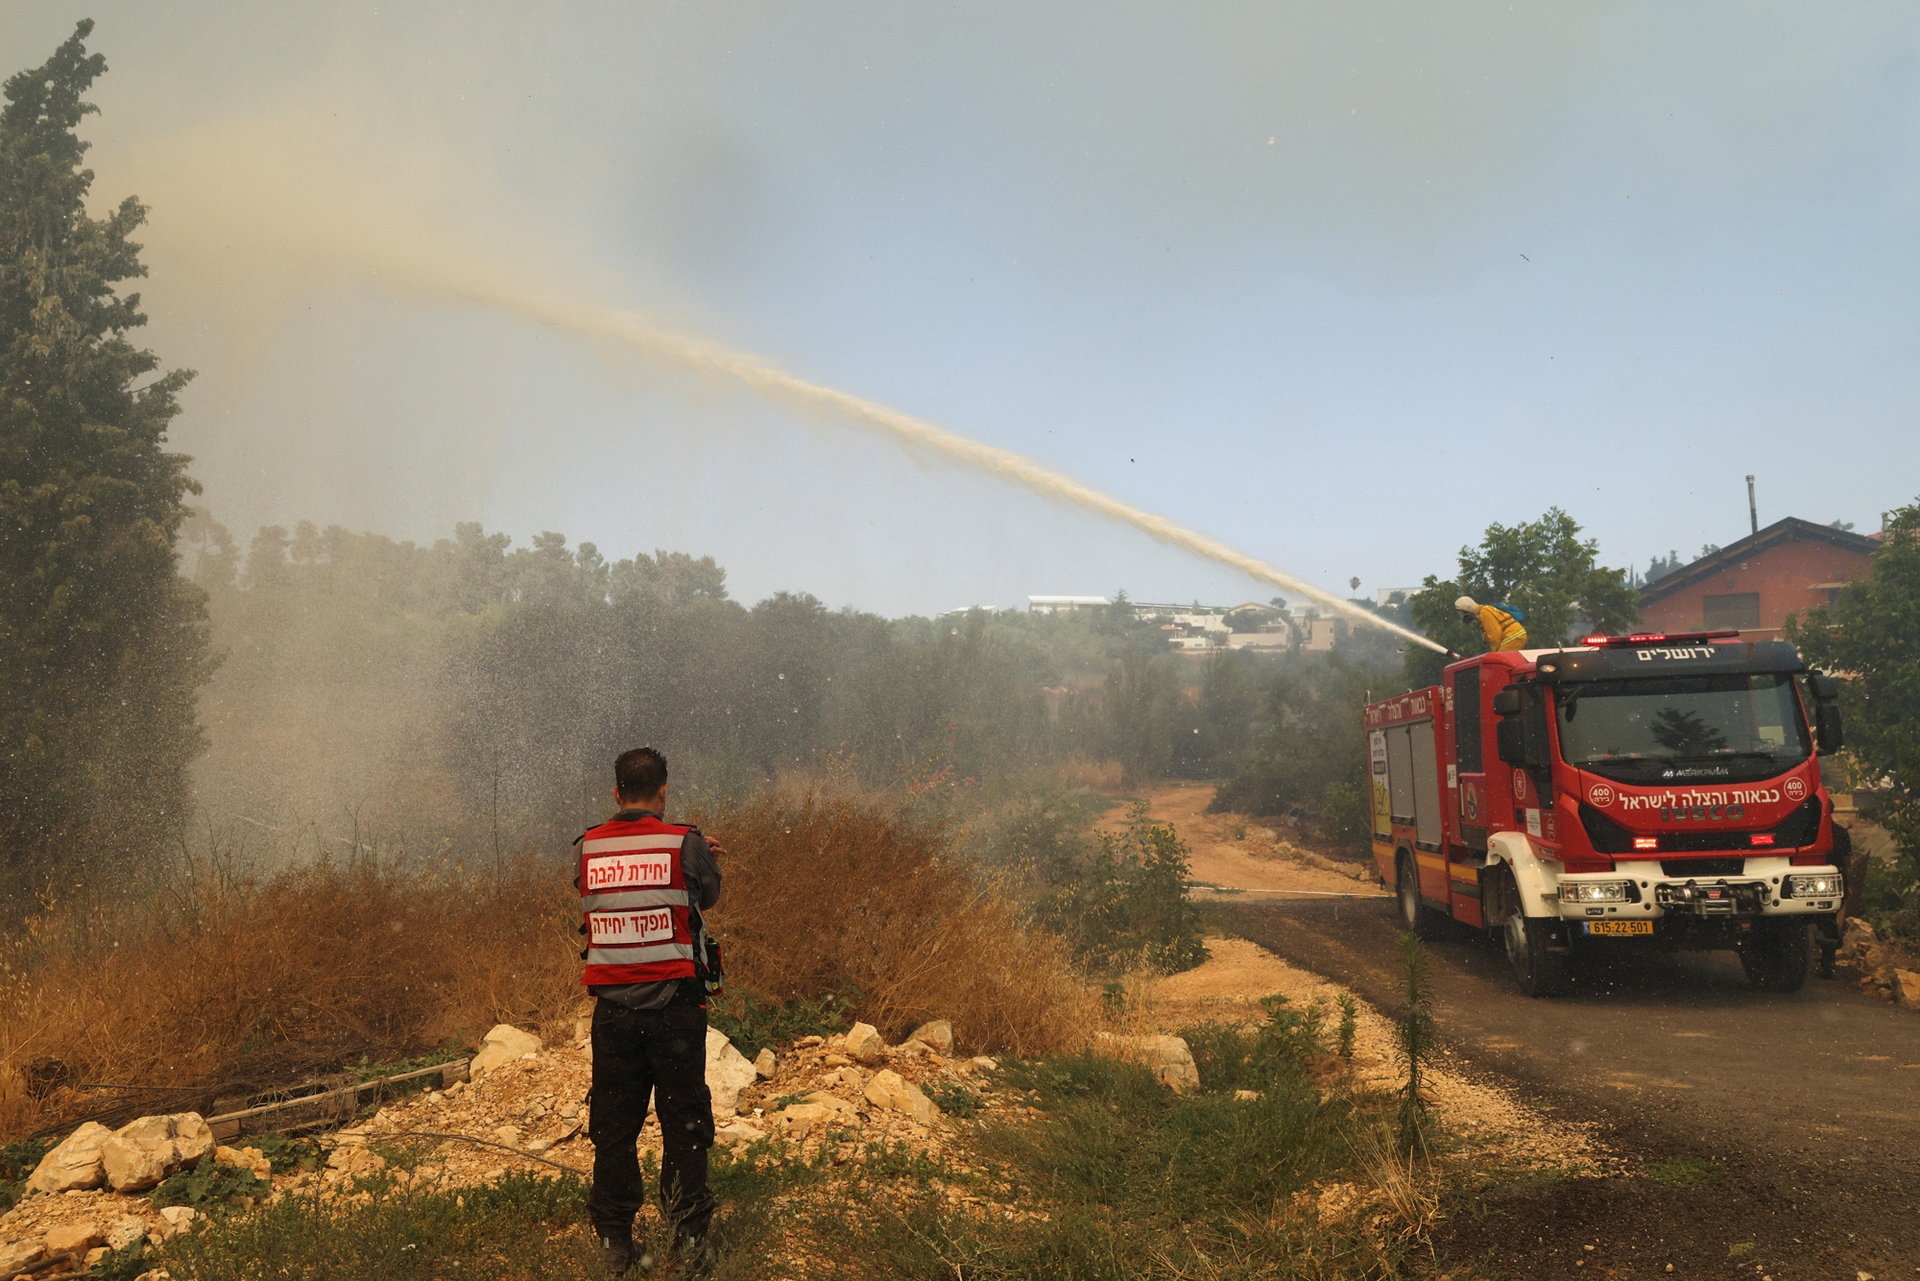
(1806, 1106)
(1809, 1103)
(1241, 855)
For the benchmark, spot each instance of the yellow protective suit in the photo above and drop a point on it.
(1503, 631)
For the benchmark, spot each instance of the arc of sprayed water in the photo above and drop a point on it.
(719, 365)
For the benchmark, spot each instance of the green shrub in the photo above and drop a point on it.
(208, 1185)
(1263, 1058)
(1126, 901)
(954, 1100)
(1346, 818)
(18, 1161)
(286, 1154)
(754, 1022)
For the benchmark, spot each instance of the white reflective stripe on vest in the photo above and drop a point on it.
(623, 900)
(647, 954)
(639, 842)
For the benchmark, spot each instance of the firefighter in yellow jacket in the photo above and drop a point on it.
(1502, 630)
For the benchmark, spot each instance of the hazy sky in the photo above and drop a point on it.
(1336, 284)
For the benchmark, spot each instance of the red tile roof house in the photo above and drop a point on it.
(1790, 566)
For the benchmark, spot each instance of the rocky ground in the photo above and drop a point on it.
(843, 1098)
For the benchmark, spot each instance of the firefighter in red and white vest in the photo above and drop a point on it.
(644, 883)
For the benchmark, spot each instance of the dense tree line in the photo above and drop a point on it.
(102, 645)
(500, 680)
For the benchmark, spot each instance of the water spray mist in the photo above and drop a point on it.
(723, 367)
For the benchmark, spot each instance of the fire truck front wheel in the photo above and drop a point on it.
(1423, 921)
(1777, 956)
(1537, 953)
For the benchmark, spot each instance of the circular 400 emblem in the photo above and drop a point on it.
(1600, 794)
(1519, 786)
(1795, 788)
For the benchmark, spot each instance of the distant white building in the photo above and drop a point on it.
(1385, 594)
(1203, 622)
(1064, 604)
(1280, 639)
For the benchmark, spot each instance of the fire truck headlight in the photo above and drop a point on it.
(1593, 891)
(1812, 885)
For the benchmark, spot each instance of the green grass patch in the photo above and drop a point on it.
(1133, 1180)
(286, 1154)
(1272, 1055)
(954, 1099)
(18, 1160)
(522, 1226)
(754, 1022)
(1682, 1171)
(208, 1185)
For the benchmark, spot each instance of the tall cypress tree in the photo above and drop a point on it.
(102, 644)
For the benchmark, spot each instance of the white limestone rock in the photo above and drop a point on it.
(865, 1044)
(728, 1073)
(141, 1153)
(76, 1163)
(937, 1035)
(888, 1089)
(1167, 1057)
(505, 1044)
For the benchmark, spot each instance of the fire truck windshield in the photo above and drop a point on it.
(1733, 728)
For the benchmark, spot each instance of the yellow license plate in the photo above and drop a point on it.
(1619, 927)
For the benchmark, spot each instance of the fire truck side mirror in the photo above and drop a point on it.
(1510, 735)
(1826, 728)
(1826, 712)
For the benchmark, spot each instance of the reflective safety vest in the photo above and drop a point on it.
(637, 914)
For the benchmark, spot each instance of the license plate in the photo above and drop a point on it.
(1619, 927)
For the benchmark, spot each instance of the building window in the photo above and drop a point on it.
(1735, 609)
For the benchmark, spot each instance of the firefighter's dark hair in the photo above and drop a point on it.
(640, 774)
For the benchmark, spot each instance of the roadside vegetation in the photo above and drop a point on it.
(1098, 1170)
(1867, 640)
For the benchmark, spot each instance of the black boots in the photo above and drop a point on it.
(616, 1253)
(694, 1257)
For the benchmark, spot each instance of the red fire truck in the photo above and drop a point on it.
(1632, 792)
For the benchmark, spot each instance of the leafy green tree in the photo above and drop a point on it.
(1315, 738)
(102, 644)
(1869, 639)
(1541, 566)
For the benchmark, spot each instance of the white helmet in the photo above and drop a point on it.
(1466, 606)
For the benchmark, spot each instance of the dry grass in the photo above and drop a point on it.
(824, 891)
(230, 982)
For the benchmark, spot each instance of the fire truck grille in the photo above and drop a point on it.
(1699, 867)
(1797, 829)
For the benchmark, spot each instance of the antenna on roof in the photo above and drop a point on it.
(1753, 512)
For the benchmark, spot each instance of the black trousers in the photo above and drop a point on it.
(635, 1054)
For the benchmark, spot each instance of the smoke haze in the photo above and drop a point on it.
(1290, 235)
